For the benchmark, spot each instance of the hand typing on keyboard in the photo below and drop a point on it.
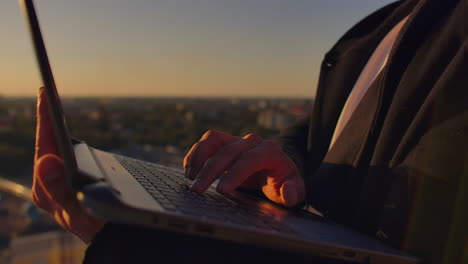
(248, 162)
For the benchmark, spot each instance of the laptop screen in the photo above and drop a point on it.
(61, 135)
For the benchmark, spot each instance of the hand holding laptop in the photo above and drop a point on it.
(249, 162)
(51, 192)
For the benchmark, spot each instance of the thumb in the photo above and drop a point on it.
(289, 193)
(292, 193)
(52, 177)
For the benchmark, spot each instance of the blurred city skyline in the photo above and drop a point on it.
(203, 48)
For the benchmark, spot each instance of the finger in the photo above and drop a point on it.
(52, 178)
(283, 183)
(40, 198)
(216, 165)
(208, 145)
(290, 193)
(45, 142)
(187, 157)
(250, 162)
(212, 139)
(44, 145)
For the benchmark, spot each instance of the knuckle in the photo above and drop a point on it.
(249, 135)
(208, 134)
(195, 149)
(252, 139)
(201, 148)
(189, 154)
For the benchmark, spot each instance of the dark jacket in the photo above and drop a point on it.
(399, 169)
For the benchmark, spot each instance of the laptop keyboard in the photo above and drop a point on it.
(171, 189)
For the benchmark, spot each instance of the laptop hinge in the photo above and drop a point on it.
(88, 169)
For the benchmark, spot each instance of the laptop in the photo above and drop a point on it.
(122, 189)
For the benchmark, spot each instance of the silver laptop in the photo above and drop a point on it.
(122, 189)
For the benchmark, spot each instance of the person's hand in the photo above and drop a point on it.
(249, 162)
(51, 188)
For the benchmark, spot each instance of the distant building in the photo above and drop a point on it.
(51, 247)
(188, 116)
(253, 108)
(29, 236)
(262, 104)
(211, 115)
(12, 112)
(169, 155)
(273, 119)
(179, 107)
(6, 123)
(94, 115)
(297, 110)
(234, 100)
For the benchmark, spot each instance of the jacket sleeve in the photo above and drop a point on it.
(293, 141)
(107, 246)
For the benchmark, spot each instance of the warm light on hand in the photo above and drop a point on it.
(248, 162)
(51, 190)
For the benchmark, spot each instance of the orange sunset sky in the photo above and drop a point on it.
(176, 47)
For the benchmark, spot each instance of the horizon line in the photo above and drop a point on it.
(163, 96)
